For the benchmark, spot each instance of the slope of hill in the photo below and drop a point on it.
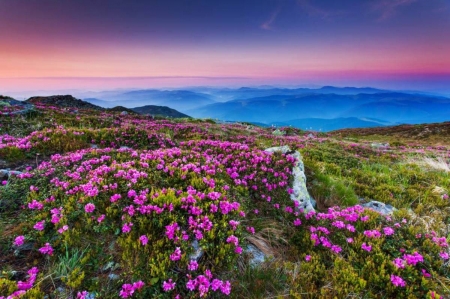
(177, 99)
(66, 101)
(431, 133)
(325, 125)
(101, 204)
(159, 110)
(122, 110)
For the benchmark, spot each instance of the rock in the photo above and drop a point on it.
(4, 174)
(300, 194)
(257, 256)
(198, 251)
(24, 247)
(92, 145)
(382, 208)
(378, 145)
(124, 113)
(113, 276)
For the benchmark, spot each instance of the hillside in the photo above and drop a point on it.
(159, 110)
(66, 101)
(388, 107)
(432, 133)
(177, 99)
(105, 204)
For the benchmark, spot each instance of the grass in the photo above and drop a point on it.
(340, 171)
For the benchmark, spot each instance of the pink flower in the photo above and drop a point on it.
(176, 255)
(349, 240)
(63, 229)
(297, 222)
(336, 248)
(101, 218)
(138, 285)
(115, 197)
(366, 247)
(413, 259)
(47, 249)
(168, 285)
(83, 295)
(444, 255)
(425, 273)
(193, 265)
(126, 228)
(143, 239)
(307, 258)
(39, 225)
(399, 263)
(397, 281)
(89, 208)
(226, 288)
(18, 241)
(388, 231)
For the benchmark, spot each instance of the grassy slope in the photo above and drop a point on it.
(341, 168)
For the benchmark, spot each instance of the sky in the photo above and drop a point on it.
(99, 44)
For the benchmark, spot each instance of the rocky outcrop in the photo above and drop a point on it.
(63, 101)
(161, 111)
(300, 194)
(15, 106)
(382, 208)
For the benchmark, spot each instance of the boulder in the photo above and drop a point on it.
(300, 194)
(382, 208)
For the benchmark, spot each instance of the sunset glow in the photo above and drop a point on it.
(76, 44)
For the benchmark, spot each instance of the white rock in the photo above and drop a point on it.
(300, 194)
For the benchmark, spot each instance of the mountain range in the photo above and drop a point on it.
(321, 109)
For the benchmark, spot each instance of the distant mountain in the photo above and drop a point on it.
(178, 99)
(324, 125)
(279, 108)
(121, 109)
(227, 94)
(66, 101)
(97, 102)
(159, 110)
(389, 107)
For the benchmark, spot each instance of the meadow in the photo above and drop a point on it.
(113, 205)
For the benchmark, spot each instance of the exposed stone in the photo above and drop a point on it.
(257, 257)
(198, 251)
(4, 174)
(378, 145)
(113, 276)
(382, 208)
(300, 194)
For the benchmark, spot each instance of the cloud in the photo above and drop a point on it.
(388, 8)
(267, 25)
(313, 10)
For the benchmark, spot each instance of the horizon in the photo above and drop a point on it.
(87, 45)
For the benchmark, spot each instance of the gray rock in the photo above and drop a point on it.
(382, 208)
(379, 145)
(92, 145)
(113, 276)
(4, 174)
(198, 251)
(123, 113)
(300, 194)
(257, 256)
